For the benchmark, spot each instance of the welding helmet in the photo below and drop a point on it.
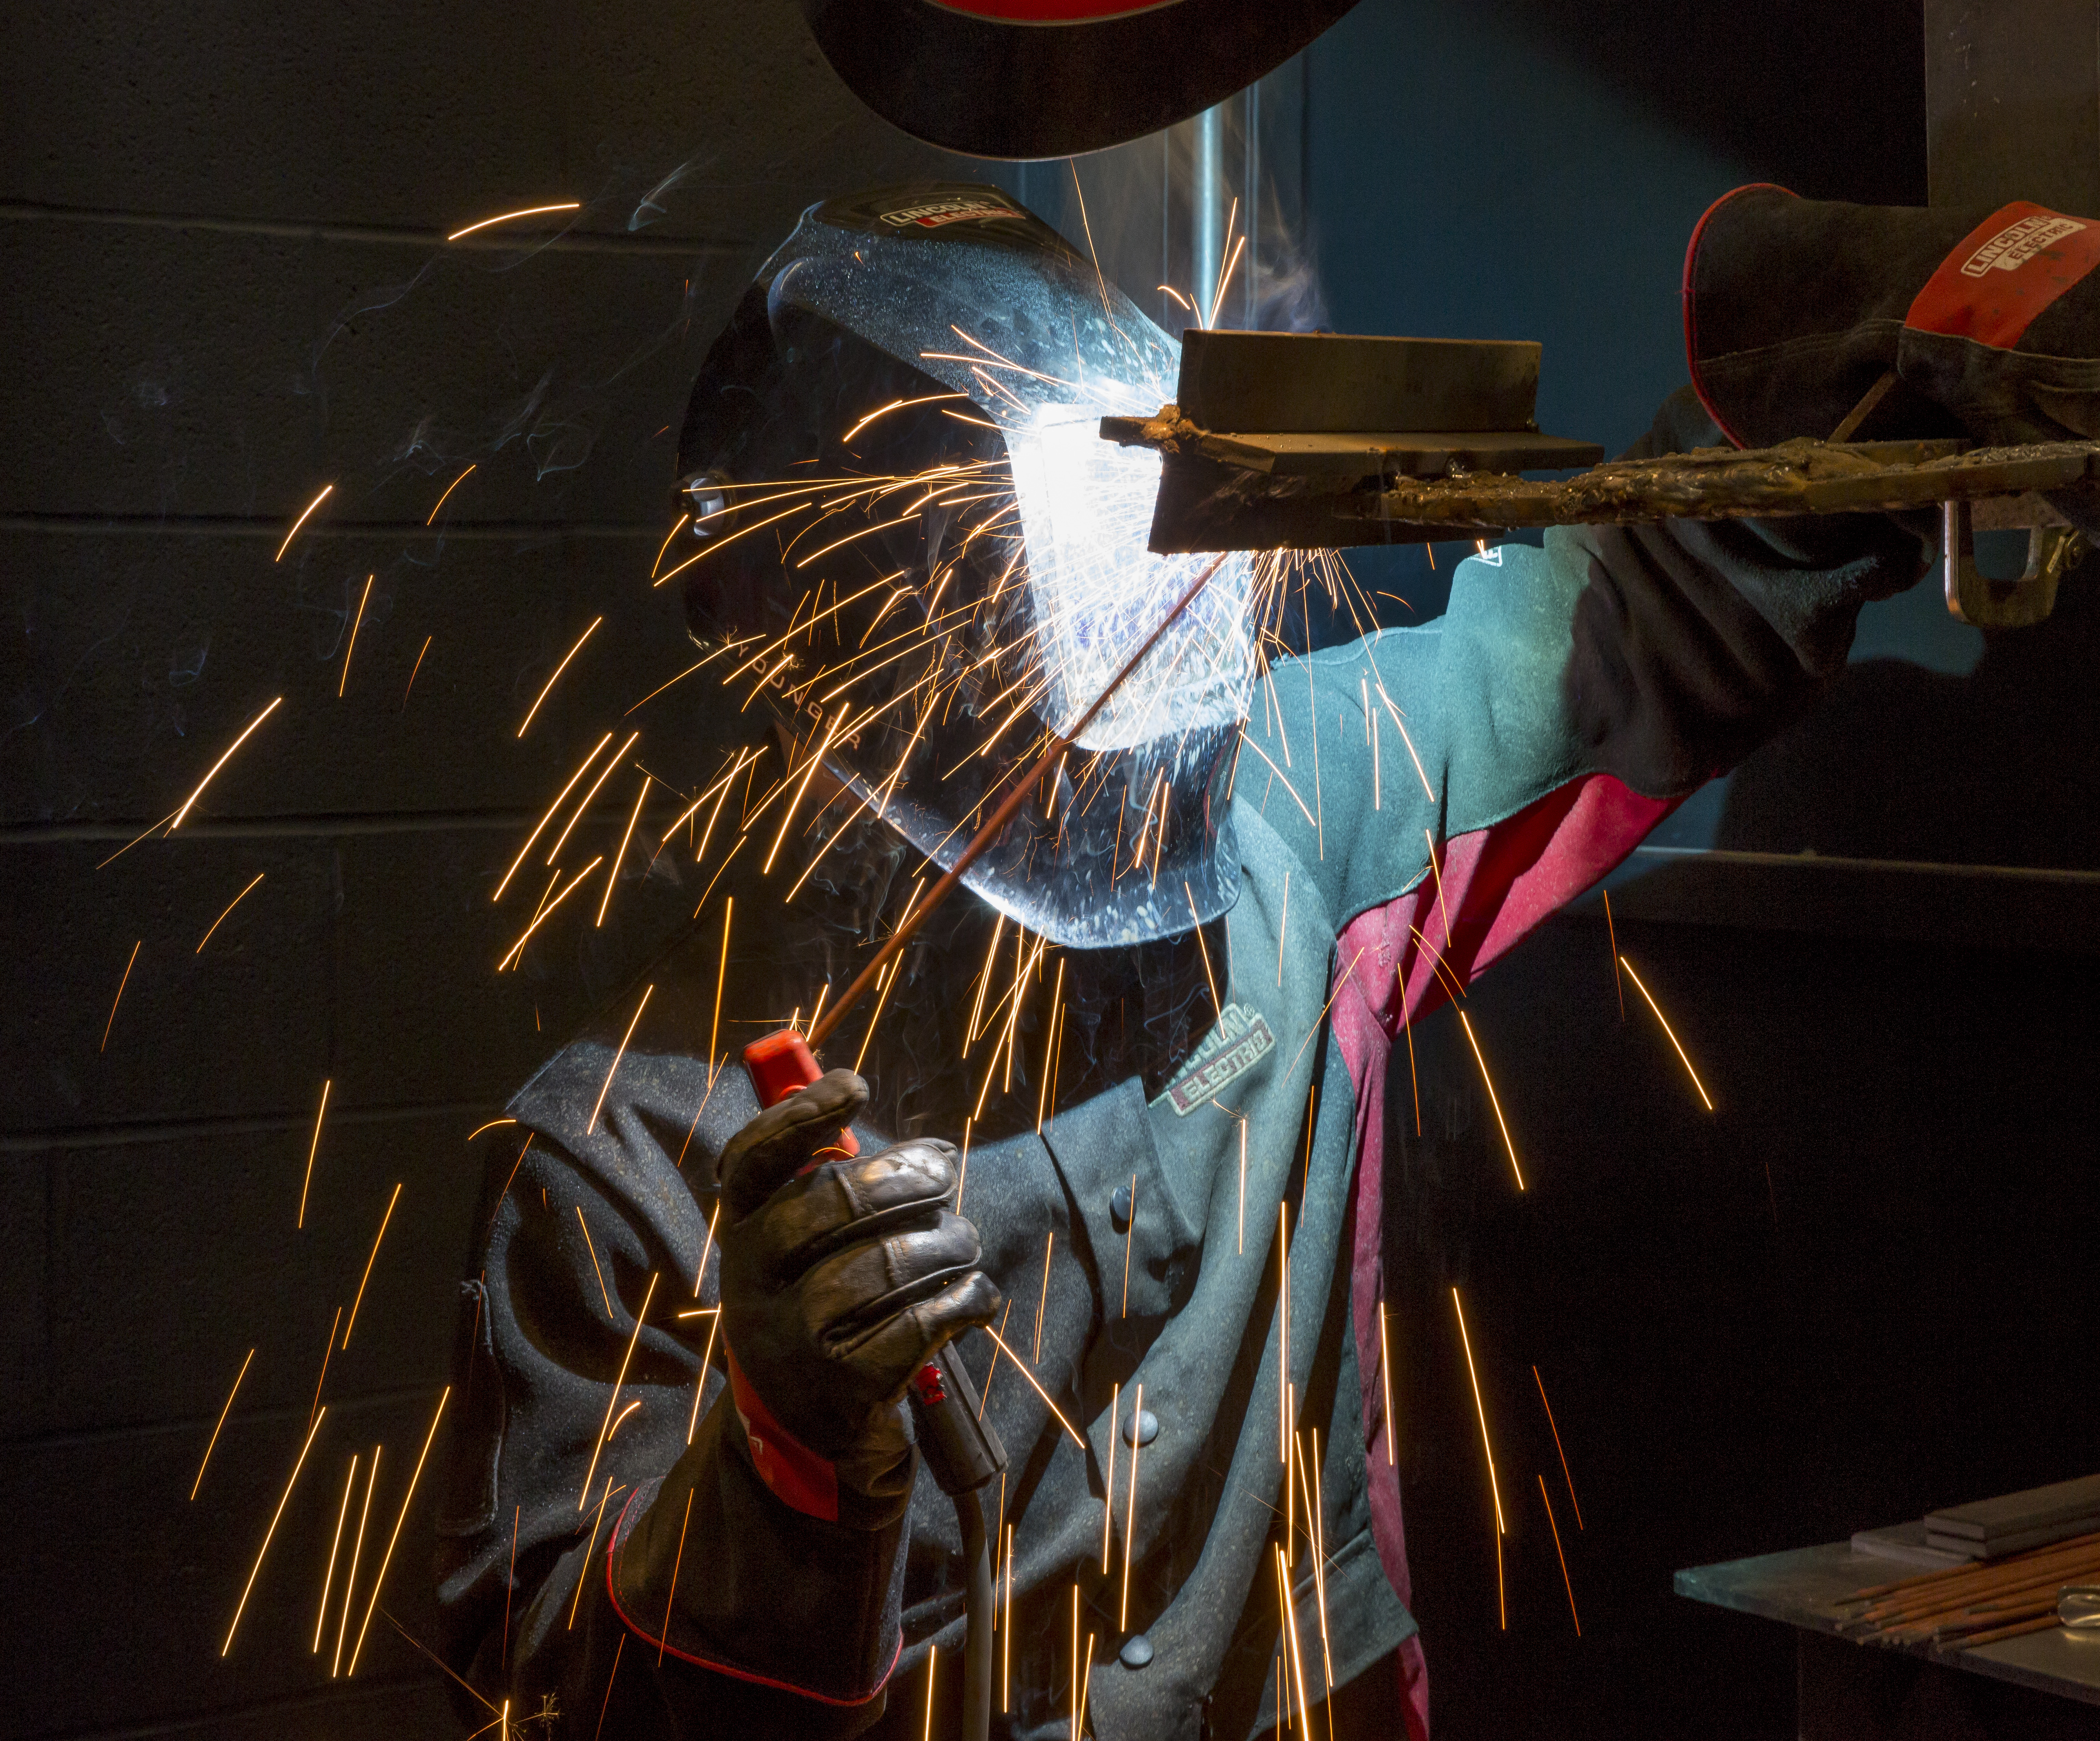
(1047, 78)
(927, 562)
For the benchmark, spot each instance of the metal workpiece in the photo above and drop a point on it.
(1308, 490)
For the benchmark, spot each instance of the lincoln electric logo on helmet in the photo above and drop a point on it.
(934, 213)
(2018, 243)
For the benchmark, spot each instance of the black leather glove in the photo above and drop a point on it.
(839, 1282)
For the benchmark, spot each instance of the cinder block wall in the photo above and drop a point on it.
(228, 286)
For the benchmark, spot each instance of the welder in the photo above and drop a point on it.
(685, 1348)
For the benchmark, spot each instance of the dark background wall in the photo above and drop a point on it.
(1851, 1292)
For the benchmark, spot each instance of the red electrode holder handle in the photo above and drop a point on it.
(780, 1064)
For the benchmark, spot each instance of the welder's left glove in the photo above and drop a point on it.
(838, 1281)
(1990, 321)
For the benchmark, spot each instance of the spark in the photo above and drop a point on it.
(230, 906)
(1385, 1371)
(665, 545)
(633, 738)
(721, 974)
(119, 998)
(1682, 1056)
(707, 1360)
(1480, 1408)
(442, 500)
(992, 1372)
(1041, 1304)
(1087, 1683)
(221, 763)
(1130, 1512)
(1316, 1505)
(1023, 1366)
(335, 1547)
(301, 520)
(884, 988)
(547, 911)
(701, 1275)
(612, 876)
(1561, 1555)
(386, 1559)
(275, 1516)
(527, 211)
(727, 646)
(866, 531)
(356, 1552)
(1006, 1644)
(1612, 934)
(368, 1263)
(1348, 974)
(1401, 726)
(1438, 870)
(590, 1552)
(884, 411)
(550, 817)
(1551, 1422)
(1218, 301)
(1043, 1104)
(1282, 778)
(596, 1270)
(617, 1057)
(492, 1124)
(216, 1430)
(808, 773)
(1215, 1005)
(583, 1498)
(549, 687)
(932, 1656)
(1107, 1483)
(510, 1583)
(1075, 1661)
(1296, 1655)
(1129, 1239)
(356, 623)
(672, 573)
(984, 981)
(1465, 1022)
(620, 1419)
(427, 640)
(136, 839)
(328, 1350)
(313, 1149)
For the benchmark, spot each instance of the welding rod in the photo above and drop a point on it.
(1000, 817)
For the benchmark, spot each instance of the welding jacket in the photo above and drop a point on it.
(1569, 696)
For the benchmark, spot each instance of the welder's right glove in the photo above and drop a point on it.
(839, 1279)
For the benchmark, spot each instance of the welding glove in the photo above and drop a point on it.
(1694, 641)
(839, 1278)
(1989, 320)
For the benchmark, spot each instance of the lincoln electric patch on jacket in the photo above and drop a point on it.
(1233, 1046)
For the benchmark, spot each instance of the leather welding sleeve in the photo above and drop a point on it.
(605, 1493)
(1570, 697)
